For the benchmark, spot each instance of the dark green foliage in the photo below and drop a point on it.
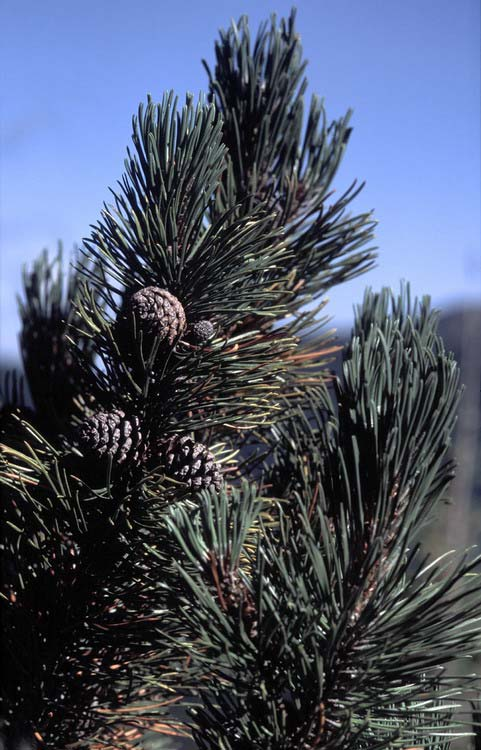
(259, 87)
(169, 181)
(48, 312)
(228, 272)
(476, 725)
(397, 408)
(203, 533)
(74, 618)
(352, 626)
(14, 407)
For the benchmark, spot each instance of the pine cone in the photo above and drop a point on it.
(237, 599)
(159, 313)
(201, 331)
(190, 462)
(112, 434)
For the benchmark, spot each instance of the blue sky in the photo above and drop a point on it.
(74, 73)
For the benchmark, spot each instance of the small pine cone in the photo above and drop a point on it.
(202, 331)
(190, 462)
(238, 600)
(159, 312)
(112, 434)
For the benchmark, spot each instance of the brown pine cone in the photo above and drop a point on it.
(238, 601)
(189, 462)
(158, 313)
(112, 433)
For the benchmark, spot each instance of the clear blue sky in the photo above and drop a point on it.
(74, 73)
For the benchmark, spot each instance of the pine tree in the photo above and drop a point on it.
(205, 533)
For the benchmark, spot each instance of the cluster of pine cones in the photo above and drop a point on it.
(114, 434)
(119, 436)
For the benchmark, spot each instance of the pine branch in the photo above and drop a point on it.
(14, 407)
(353, 629)
(309, 674)
(397, 399)
(259, 89)
(190, 518)
(48, 312)
(228, 274)
(74, 618)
